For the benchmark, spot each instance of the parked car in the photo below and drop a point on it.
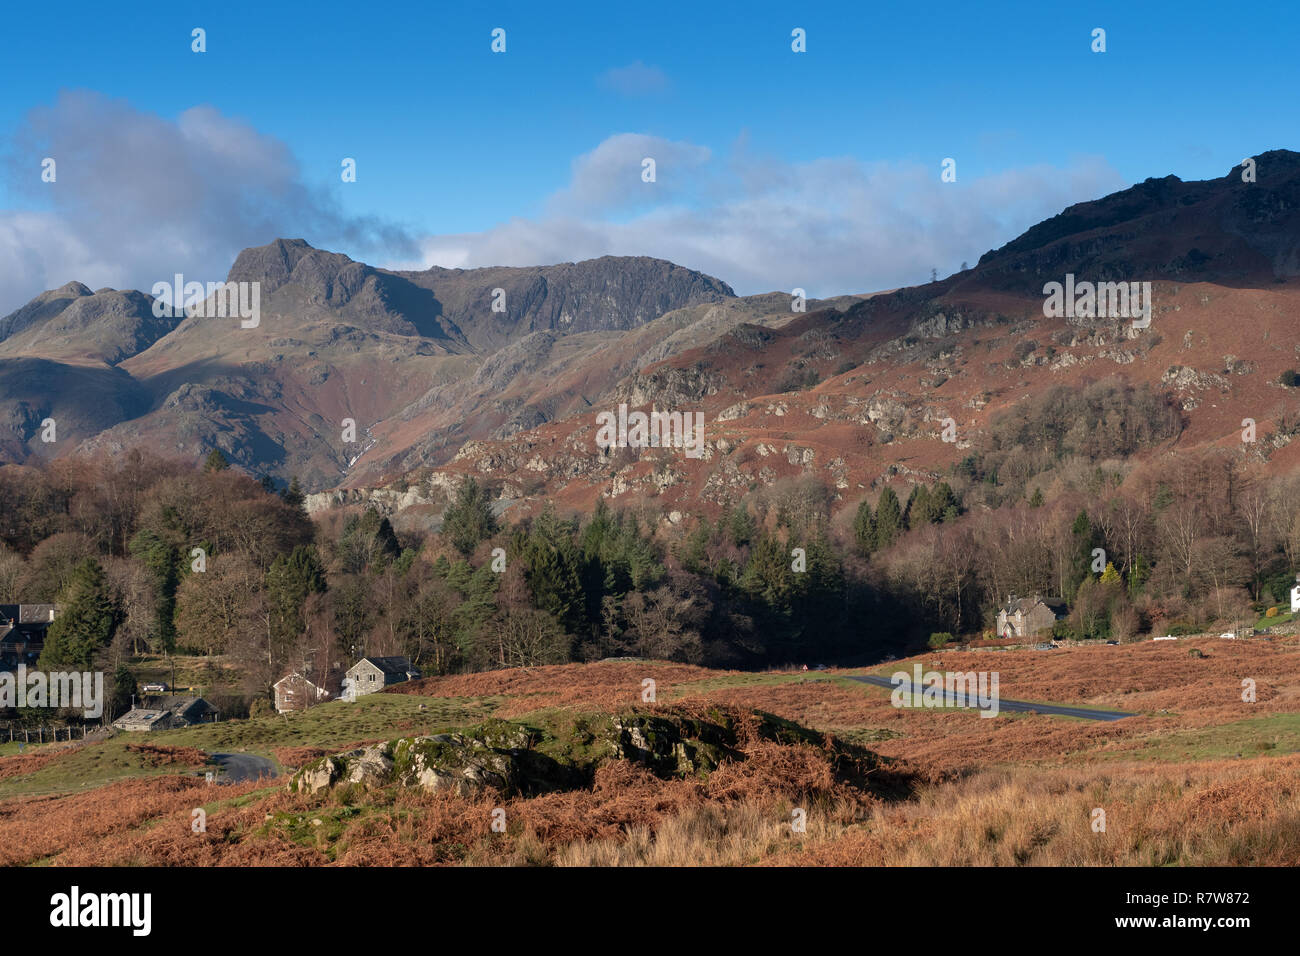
(154, 688)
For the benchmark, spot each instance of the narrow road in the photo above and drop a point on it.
(1017, 706)
(241, 767)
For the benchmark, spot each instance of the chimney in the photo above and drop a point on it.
(52, 609)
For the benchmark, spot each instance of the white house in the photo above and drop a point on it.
(1295, 595)
(372, 674)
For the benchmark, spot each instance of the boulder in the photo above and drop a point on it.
(371, 766)
(316, 776)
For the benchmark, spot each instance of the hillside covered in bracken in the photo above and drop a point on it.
(858, 395)
(714, 771)
(913, 458)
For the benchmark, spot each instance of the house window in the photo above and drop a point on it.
(372, 678)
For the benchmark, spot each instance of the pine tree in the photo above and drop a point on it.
(85, 623)
(944, 505)
(1086, 537)
(911, 511)
(741, 526)
(920, 508)
(889, 519)
(552, 567)
(472, 616)
(767, 575)
(293, 495)
(864, 529)
(162, 557)
(289, 580)
(822, 597)
(468, 520)
(216, 461)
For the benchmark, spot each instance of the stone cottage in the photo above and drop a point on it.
(165, 713)
(298, 691)
(372, 674)
(1024, 617)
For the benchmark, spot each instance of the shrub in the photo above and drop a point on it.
(1290, 378)
(260, 708)
(1062, 630)
(940, 639)
(1196, 652)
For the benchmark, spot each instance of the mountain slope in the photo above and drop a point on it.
(860, 397)
(337, 340)
(500, 372)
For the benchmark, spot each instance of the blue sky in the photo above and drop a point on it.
(774, 169)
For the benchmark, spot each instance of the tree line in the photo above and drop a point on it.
(1140, 539)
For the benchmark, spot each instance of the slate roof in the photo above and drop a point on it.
(391, 666)
(1024, 605)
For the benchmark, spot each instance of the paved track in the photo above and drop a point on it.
(1019, 706)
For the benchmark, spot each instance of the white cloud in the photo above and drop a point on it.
(830, 226)
(139, 197)
(609, 178)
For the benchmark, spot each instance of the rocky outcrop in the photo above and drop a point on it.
(562, 754)
(492, 756)
(1184, 378)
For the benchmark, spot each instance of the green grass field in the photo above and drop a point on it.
(333, 724)
(1272, 735)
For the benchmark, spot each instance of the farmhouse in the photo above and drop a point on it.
(22, 633)
(1024, 617)
(297, 691)
(372, 674)
(1295, 595)
(166, 713)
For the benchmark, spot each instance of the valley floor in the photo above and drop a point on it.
(1197, 776)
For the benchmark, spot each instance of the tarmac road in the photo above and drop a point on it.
(241, 767)
(1020, 706)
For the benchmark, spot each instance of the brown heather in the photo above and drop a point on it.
(158, 755)
(956, 789)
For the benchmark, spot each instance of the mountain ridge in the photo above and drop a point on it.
(337, 339)
(433, 378)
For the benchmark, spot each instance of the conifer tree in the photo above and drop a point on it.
(216, 461)
(889, 519)
(85, 622)
(468, 520)
(864, 529)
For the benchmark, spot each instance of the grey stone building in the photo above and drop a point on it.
(298, 691)
(1024, 617)
(371, 674)
(164, 713)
